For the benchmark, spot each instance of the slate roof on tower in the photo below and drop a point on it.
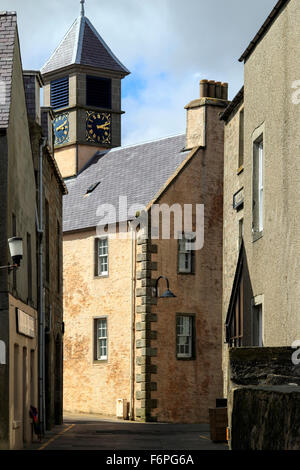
(83, 45)
(138, 172)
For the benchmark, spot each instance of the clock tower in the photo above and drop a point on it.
(83, 86)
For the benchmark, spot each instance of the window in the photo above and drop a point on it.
(29, 266)
(59, 93)
(98, 92)
(258, 185)
(100, 330)
(185, 337)
(58, 256)
(101, 261)
(47, 254)
(14, 234)
(241, 140)
(257, 326)
(186, 255)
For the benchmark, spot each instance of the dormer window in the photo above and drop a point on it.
(98, 92)
(92, 187)
(59, 92)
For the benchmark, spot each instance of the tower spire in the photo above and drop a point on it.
(82, 7)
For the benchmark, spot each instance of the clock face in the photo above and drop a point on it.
(61, 129)
(98, 127)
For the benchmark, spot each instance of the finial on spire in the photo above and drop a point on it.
(82, 7)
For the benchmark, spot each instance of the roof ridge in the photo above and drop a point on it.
(99, 37)
(144, 142)
(8, 13)
(59, 45)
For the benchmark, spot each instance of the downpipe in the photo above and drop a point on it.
(40, 230)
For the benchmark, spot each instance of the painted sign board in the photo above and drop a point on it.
(25, 324)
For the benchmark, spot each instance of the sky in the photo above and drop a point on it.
(168, 45)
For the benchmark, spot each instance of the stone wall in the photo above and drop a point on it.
(263, 399)
(183, 390)
(87, 297)
(266, 418)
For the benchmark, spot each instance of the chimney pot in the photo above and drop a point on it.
(203, 88)
(218, 90)
(211, 89)
(224, 91)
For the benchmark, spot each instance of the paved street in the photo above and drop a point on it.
(93, 433)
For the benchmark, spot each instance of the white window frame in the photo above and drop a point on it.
(185, 337)
(98, 347)
(261, 186)
(258, 163)
(258, 308)
(101, 257)
(185, 267)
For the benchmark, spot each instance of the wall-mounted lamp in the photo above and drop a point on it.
(16, 252)
(167, 294)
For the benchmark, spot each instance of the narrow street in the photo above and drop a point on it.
(92, 433)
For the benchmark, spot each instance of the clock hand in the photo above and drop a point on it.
(61, 126)
(103, 126)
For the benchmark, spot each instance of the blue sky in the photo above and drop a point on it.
(168, 45)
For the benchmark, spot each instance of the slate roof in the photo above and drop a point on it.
(83, 45)
(138, 172)
(8, 30)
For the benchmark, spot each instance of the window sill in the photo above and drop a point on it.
(240, 170)
(257, 235)
(99, 361)
(185, 358)
(185, 274)
(101, 276)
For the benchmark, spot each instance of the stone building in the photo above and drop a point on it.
(21, 294)
(261, 270)
(53, 188)
(161, 357)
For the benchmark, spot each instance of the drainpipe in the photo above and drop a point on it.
(132, 324)
(41, 299)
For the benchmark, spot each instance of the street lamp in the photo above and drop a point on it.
(167, 294)
(16, 252)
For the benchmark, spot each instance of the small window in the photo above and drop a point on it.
(47, 241)
(101, 258)
(185, 255)
(241, 140)
(100, 330)
(14, 234)
(98, 92)
(59, 91)
(58, 256)
(258, 185)
(92, 188)
(185, 337)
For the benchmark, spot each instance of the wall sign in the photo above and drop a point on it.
(25, 324)
(238, 199)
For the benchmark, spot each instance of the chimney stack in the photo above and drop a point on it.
(33, 83)
(212, 89)
(203, 111)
